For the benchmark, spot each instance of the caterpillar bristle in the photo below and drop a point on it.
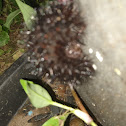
(55, 44)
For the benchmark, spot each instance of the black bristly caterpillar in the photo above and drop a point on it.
(55, 43)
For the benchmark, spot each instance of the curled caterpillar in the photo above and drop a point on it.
(55, 43)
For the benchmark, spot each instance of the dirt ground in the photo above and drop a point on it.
(29, 116)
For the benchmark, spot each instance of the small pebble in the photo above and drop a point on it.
(30, 113)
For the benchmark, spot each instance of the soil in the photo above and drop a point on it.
(29, 116)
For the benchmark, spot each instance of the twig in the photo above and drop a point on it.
(80, 105)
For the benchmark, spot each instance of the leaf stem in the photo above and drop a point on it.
(93, 124)
(77, 112)
(77, 99)
(62, 106)
(80, 105)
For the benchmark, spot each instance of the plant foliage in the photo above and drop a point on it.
(4, 38)
(38, 96)
(10, 18)
(27, 13)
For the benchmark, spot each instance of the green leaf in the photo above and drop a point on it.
(57, 120)
(38, 96)
(54, 121)
(27, 12)
(10, 18)
(1, 52)
(4, 38)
